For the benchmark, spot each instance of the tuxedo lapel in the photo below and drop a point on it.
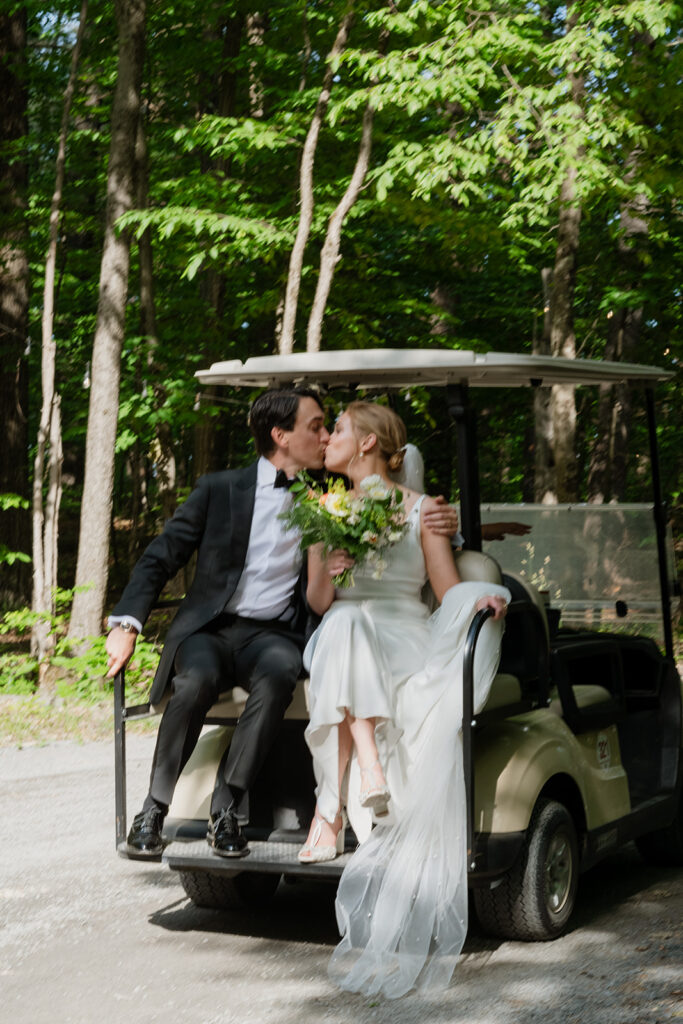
(243, 494)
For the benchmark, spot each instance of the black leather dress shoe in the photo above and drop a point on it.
(225, 836)
(144, 838)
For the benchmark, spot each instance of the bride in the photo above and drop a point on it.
(385, 731)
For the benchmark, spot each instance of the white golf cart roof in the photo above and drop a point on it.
(436, 367)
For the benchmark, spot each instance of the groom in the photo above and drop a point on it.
(241, 622)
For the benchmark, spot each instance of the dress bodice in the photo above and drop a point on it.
(405, 571)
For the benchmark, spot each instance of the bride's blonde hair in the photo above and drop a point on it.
(386, 425)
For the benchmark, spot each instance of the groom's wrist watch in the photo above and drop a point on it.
(127, 626)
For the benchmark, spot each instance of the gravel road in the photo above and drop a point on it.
(88, 938)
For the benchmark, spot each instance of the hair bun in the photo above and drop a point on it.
(396, 460)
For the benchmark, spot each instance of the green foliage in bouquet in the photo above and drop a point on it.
(364, 524)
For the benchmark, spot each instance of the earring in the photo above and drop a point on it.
(361, 454)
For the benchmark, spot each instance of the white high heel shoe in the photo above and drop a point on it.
(311, 853)
(376, 797)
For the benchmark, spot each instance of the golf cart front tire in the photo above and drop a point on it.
(535, 899)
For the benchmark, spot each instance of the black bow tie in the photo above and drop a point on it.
(282, 480)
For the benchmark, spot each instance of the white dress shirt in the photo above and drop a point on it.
(274, 558)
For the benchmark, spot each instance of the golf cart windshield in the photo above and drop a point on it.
(597, 564)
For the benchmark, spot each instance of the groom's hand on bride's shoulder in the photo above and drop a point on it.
(441, 518)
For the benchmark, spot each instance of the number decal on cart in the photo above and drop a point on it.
(603, 751)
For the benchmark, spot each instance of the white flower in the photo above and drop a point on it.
(353, 518)
(394, 535)
(334, 504)
(374, 488)
(371, 481)
(369, 537)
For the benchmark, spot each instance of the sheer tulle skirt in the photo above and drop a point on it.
(402, 900)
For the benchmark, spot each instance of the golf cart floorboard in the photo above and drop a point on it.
(268, 857)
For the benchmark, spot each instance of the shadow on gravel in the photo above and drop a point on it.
(299, 912)
(156, 878)
(304, 911)
(613, 882)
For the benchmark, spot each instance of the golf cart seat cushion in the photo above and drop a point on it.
(585, 695)
(230, 704)
(505, 691)
(476, 567)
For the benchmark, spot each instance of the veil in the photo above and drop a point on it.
(412, 475)
(412, 472)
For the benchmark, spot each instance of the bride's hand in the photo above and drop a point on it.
(499, 605)
(337, 561)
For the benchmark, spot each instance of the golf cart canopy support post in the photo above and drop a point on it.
(462, 413)
(660, 523)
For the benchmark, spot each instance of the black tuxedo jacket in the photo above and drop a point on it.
(215, 522)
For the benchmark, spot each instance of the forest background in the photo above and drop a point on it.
(186, 182)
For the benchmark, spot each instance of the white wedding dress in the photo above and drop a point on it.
(402, 899)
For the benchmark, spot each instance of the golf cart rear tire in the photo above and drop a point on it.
(215, 890)
(664, 848)
(534, 901)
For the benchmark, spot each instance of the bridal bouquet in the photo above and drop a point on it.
(364, 525)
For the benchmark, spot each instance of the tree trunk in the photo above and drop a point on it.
(207, 454)
(296, 261)
(563, 340)
(305, 59)
(329, 256)
(163, 450)
(93, 550)
(49, 455)
(607, 472)
(599, 472)
(544, 476)
(256, 30)
(561, 313)
(14, 292)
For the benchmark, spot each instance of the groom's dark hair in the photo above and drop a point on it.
(277, 408)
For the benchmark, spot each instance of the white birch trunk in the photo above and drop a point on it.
(48, 459)
(306, 200)
(329, 256)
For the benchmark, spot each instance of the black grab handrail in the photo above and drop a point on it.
(123, 714)
(468, 724)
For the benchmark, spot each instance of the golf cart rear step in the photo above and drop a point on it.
(271, 857)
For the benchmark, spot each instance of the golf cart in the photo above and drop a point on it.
(578, 749)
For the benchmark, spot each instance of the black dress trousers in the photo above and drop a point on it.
(263, 658)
